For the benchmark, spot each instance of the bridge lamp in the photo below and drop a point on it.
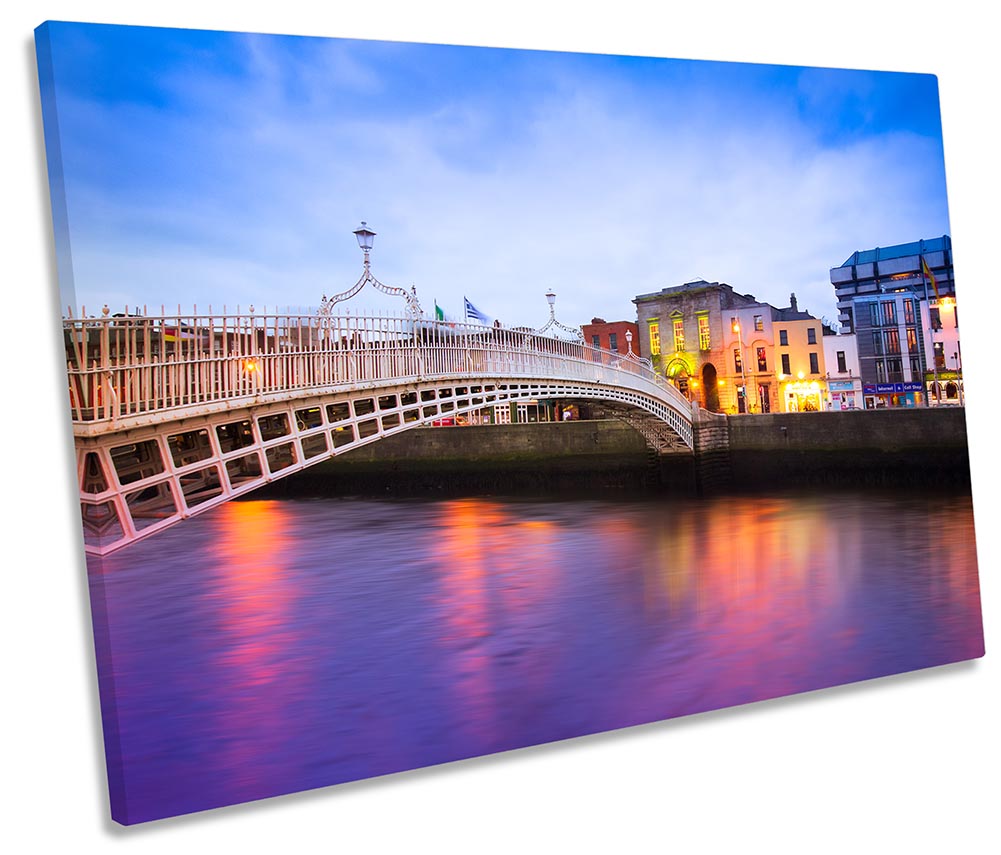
(629, 340)
(365, 236)
(551, 298)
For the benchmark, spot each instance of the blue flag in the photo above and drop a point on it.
(473, 312)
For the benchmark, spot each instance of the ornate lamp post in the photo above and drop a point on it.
(365, 237)
(552, 322)
(743, 377)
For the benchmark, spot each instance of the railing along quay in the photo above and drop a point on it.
(124, 367)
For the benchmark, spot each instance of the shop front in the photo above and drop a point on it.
(881, 396)
(802, 397)
(844, 395)
(945, 389)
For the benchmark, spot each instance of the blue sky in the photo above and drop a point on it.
(222, 169)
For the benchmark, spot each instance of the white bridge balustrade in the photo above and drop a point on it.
(173, 415)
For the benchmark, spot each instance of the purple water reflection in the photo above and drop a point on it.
(275, 646)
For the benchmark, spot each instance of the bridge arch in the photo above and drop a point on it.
(161, 439)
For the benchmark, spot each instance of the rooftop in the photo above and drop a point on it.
(901, 250)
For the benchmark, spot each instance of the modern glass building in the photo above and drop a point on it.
(900, 303)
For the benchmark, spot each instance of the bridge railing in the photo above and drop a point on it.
(132, 365)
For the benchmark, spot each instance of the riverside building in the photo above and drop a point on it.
(900, 303)
(731, 352)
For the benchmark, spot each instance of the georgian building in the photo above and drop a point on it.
(731, 352)
(801, 369)
(844, 383)
(686, 332)
(612, 335)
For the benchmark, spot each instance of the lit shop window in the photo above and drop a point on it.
(654, 339)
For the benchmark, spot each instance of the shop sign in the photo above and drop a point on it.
(891, 388)
(840, 385)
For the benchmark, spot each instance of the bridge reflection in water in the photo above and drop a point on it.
(275, 646)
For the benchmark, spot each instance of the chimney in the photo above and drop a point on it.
(792, 302)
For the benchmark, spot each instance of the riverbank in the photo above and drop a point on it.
(875, 448)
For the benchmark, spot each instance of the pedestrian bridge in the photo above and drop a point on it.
(173, 415)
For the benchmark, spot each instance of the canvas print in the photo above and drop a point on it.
(434, 401)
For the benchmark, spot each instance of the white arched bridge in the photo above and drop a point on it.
(173, 415)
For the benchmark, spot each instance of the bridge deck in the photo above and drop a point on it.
(173, 415)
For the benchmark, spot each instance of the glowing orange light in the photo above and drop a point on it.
(721, 383)
(249, 365)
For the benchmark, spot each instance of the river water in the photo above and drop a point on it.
(273, 646)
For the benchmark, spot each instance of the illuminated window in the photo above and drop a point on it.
(892, 341)
(704, 338)
(762, 363)
(939, 355)
(679, 334)
(889, 313)
(759, 323)
(912, 339)
(654, 339)
(738, 365)
(908, 312)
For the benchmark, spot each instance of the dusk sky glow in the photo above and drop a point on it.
(223, 168)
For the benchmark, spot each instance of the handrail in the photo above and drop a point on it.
(130, 365)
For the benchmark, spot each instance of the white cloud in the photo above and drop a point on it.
(595, 199)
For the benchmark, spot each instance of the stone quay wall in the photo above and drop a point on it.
(881, 447)
(925, 446)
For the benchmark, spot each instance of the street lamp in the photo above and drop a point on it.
(743, 377)
(365, 236)
(552, 322)
(629, 341)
